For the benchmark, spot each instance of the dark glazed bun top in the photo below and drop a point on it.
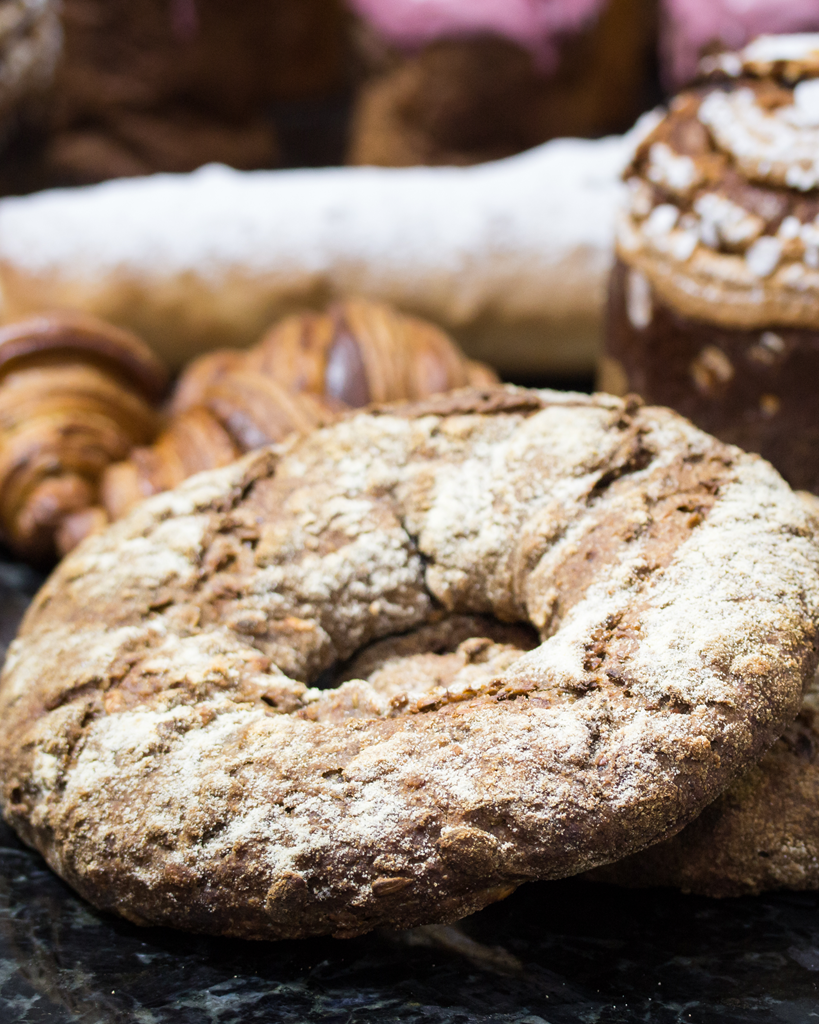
(723, 209)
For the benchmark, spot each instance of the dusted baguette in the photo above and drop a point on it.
(511, 257)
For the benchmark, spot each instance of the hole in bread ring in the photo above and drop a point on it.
(440, 663)
(176, 759)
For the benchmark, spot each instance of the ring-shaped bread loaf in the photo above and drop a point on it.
(182, 738)
(761, 833)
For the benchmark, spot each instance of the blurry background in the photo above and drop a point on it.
(96, 89)
(512, 260)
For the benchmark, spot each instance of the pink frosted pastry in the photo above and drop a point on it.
(690, 27)
(461, 81)
(535, 25)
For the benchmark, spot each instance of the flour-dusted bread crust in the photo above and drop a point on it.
(760, 834)
(166, 746)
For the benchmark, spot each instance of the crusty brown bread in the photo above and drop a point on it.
(761, 833)
(181, 738)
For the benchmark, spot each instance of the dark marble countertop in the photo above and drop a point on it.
(566, 952)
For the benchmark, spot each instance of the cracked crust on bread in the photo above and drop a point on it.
(759, 835)
(209, 721)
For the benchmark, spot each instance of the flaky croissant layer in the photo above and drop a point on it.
(303, 372)
(75, 395)
(82, 439)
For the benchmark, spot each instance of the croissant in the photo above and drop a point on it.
(357, 352)
(236, 414)
(75, 395)
(303, 372)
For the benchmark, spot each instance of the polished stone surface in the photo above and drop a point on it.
(18, 584)
(554, 953)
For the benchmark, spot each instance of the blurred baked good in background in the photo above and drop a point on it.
(691, 29)
(30, 46)
(512, 258)
(137, 86)
(169, 85)
(455, 82)
(31, 39)
(715, 298)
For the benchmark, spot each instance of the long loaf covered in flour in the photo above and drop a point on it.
(511, 256)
